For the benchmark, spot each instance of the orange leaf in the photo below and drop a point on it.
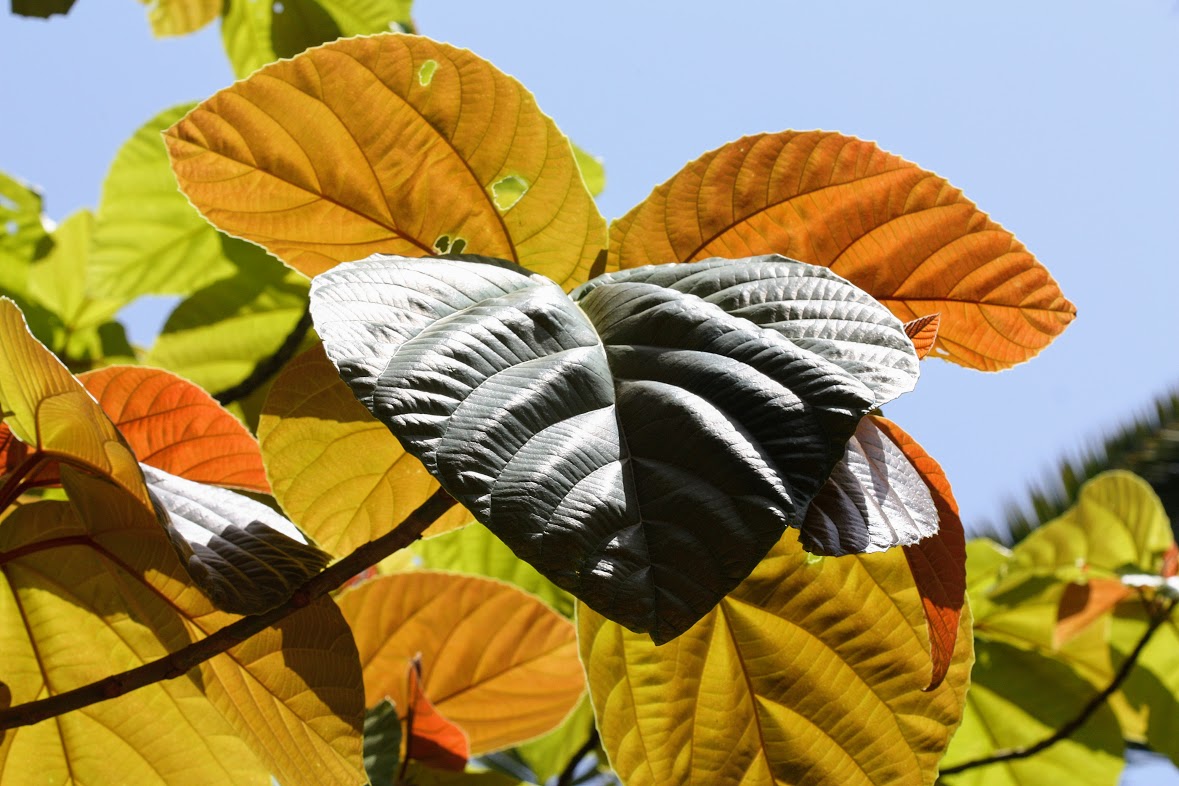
(1171, 562)
(430, 738)
(1083, 604)
(904, 235)
(938, 564)
(496, 661)
(393, 144)
(176, 426)
(923, 333)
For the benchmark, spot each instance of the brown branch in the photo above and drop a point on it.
(267, 367)
(567, 774)
(1074, 724)
(180, 662)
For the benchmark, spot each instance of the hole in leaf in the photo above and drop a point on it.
(458, 245)
(11, 227)
(426, 72)
(278, 8)
(442, 244)
(6, 203)
(508, 191)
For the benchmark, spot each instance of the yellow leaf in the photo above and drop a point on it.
(393, 144)
(805, 674)
(337, 471)
(495, 660)
(180, 17)
(52, 412)
(906, 236)
(92, 587)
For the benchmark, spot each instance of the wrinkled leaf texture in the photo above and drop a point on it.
(643, 447)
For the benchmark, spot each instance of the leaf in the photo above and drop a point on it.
(1017, 698)
(257, 33)
(41, 8)
(495, 661)
(53, 414)
(938, 563)
(923, 332)
(592, 171)
(431, 739)
(336, 471)
(903, 234)
(92, 587)
(244, 556)
(548, 756)
(148, 239)
(382, 743)
(180, 17)
(440, 344)
(807, 673)
(1151, 691)
(1117, 525)
(1083, 604)
(176, 426)
(873, 499)
(419, 775)
(22, 232)
(290, 159)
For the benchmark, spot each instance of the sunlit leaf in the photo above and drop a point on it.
(808, 673)
(172, 424)
(561, 425)
(1151, 691)
(497, 662)
(321, 160)
(256, 33)
(243, 555)
(93, 588)
(1083, 604)
(938, 563)
(22, 230)
(903, 234)
(382, 743)
(923, 332)
(592, 171)
(335, 469)
(53, 413)
(548, 756)
(1017, 698)
(430, 738)
(180, 17)
(148, 239)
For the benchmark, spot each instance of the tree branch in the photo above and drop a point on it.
(1069, 728)
(269, 366)
(567, 774)
(178, 663)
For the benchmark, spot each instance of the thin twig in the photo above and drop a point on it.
(567, 774)
(269, 366)
(1069, 728)
(178, 663)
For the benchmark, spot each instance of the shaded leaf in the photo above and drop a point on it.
(548, 756)
(180, 17)
(257, 33)
(382, 743)
(582, 469)
(92, 587)
(243, 555)
(335, 469)
(923, 332)
(290, 159)
(1151, 691)
(22, 230)
(938, 563)
(495, 661)
(431, 739)
(41, 8)
(903, 234)
(806, 673)
(420, 775)
(1083, 604)
(53, 414)
(176, 426)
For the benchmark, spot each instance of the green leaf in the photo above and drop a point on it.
(548, 756)
(22, 231)
(1017, 698)
(634, 439)
(592, 171)
(1151, 691)
(256, 33)
(382, 743)
(148, 239)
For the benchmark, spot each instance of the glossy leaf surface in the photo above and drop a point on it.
(642, 451)
(496, 661)
(91, 587)
(294, 159)
(905, 235)
(808, 673)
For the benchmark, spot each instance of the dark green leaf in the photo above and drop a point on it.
(382, 743)
(42, 9)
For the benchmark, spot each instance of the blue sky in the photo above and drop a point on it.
(1058, 118)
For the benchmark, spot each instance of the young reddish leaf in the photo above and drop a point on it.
(320, 160)
(938, 564)
(496, 661)
(923, 332)
(1171, 562)
(429, 737)
(176, 426)
(1083, 604)
(903, 234)
(50, 411)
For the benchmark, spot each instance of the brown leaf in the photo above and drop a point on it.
(1083, 604)
(430, 738)
(923, 332)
